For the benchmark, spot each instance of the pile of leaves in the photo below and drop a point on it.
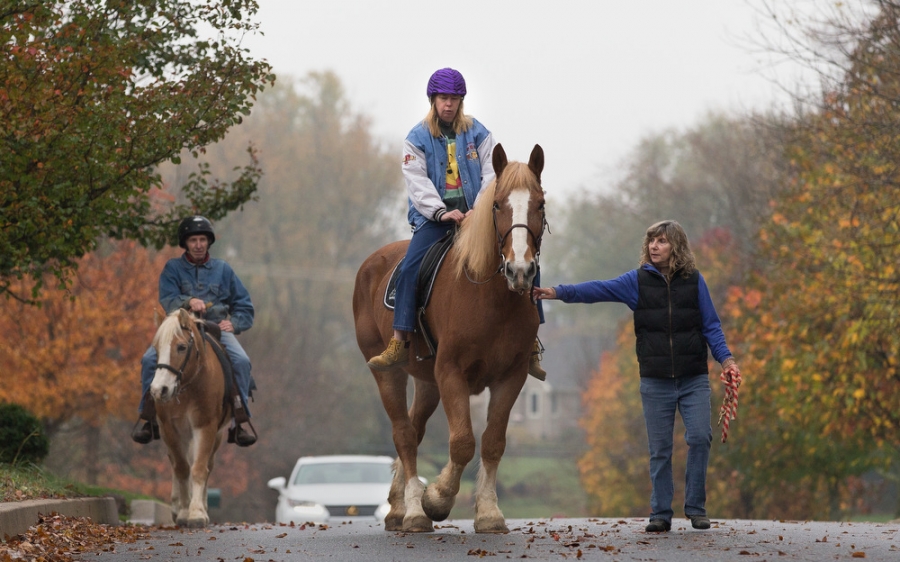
(57, 538)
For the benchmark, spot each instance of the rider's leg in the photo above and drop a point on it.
(397, 352)
(534, 365)
(241, 365)
(144, 433)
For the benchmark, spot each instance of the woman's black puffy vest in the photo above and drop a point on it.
(668, 326)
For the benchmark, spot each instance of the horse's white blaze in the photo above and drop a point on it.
(163, 378)
(519, 202)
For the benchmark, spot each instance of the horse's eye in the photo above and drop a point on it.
(182, 348)
(496, 206)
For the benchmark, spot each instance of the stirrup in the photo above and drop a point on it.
(242, 439)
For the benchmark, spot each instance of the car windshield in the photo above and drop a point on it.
(344, 473)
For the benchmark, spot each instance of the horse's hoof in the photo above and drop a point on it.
(393, 522)
(496, 526)
(436, 507)
(419, 524)
(198, 523)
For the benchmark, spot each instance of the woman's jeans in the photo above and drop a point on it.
(405, 297)
(660, 398)
(239, 361)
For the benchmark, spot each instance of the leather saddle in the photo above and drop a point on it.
(428, 270)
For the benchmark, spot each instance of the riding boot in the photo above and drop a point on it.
(396, 355)
(150, 429)
(534, 364)
(238, 434)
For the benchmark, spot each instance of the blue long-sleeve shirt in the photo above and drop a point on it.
(624, 289)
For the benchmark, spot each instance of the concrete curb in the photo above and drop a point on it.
(17, 517)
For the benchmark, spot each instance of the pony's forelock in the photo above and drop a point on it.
(168, 329)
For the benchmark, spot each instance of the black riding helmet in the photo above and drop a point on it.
(195, 225)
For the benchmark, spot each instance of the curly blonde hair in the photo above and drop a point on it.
(682, 257)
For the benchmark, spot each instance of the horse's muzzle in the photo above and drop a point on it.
(519, 276)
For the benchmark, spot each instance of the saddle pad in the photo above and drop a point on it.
(431, 263)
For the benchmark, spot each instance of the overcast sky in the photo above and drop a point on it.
(585, 79)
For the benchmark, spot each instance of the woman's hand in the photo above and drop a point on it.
(543, 293)
(730, 367)
(454, 215)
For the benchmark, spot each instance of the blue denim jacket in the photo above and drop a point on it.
(425, 164)
(212, 282)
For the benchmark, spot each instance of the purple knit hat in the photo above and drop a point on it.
(446, 81)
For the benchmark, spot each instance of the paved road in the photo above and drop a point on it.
(620, 540)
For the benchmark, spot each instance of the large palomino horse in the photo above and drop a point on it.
(485, 324)
(188, 389)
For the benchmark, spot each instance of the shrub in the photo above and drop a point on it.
(22, 438)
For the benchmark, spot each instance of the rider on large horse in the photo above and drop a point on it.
(446, 164)
(210, 288)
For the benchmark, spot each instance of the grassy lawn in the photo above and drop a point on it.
(29, 482)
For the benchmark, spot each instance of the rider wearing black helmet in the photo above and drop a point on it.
(206, 286)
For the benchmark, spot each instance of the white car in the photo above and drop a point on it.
(329, 489)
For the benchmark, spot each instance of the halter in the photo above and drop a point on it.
(179, 372)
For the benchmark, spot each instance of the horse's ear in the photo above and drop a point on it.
(499, 160)
(536, 161)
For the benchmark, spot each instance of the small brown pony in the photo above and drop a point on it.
(188, 389)
(485, 324)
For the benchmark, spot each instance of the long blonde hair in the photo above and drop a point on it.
(461, 122)
(682, 258)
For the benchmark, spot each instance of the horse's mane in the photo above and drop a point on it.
(476, 241)
(168, 329)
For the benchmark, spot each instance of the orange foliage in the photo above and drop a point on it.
(78, 353)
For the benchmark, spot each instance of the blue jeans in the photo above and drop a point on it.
(239, 360)
(660, 399)
(405, 298)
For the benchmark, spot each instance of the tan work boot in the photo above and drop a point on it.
(534, 365)
(396, 355)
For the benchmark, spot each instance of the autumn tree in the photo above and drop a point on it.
(94, 94)
(75, 357)
(819, 321)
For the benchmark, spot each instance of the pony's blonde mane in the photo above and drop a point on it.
(476, 241)
(168, 329)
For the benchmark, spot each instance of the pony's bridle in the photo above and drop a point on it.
(179, 372)
(537, 238)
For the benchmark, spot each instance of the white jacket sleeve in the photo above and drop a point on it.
(423, 194)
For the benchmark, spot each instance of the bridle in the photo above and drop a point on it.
(537, 238)
(501, 239)
(179, 372)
